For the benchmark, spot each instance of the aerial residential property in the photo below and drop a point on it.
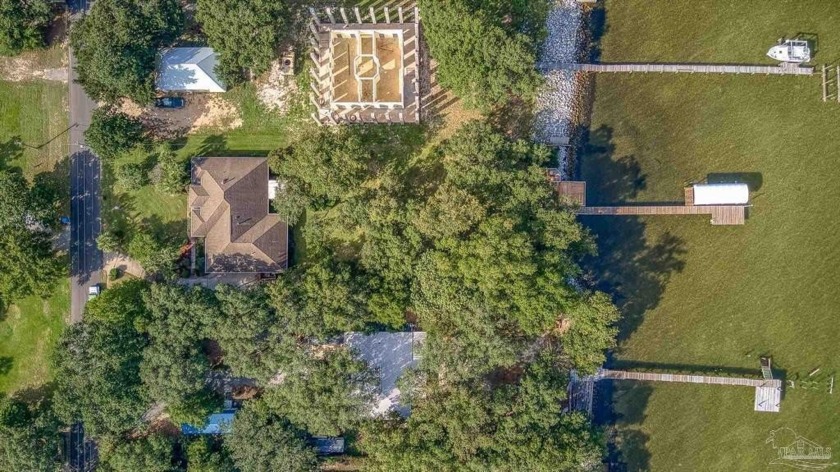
(419, 235)
(228, 204)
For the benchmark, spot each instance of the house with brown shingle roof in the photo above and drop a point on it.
(229, 208)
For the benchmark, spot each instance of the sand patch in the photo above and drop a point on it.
(277, 89)
(219, 114)
(27, 67)
(202, 111)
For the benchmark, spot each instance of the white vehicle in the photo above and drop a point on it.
(791, 50)
(93, 291)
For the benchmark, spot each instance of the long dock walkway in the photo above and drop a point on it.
(697, 379)
(720, 214)
(783, 69)
(768, 392)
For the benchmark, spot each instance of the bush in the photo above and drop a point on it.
(171, 174)
(112, 133)
(114, 274)
(131, 176)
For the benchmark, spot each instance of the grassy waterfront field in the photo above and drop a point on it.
(702, 298)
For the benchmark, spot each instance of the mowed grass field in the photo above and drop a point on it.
(33, 123)
(698, 297)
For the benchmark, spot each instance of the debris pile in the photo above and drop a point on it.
(276, 92)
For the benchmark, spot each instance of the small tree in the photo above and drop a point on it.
(172, 174)
(112, 133)
(260, 440)
(156, 257)
(131, 176)
(109, 241)
(22, 25)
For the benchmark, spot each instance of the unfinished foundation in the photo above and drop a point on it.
(365, 66)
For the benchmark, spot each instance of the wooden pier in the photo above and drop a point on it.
(698, 379)
(768, 392)
(721, 215)
(783, 69)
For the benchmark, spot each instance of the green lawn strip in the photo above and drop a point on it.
(34, 114)
(698, 295)
(28, 332)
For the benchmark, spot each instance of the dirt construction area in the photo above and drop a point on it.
(202, 112)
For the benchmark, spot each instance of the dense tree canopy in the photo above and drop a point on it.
(205, 455)
(485, 49)
(28, 263)
(260, 441)
(146, 454)
(29, 437)
(116, 43)
(97, 374)
(174, 367)
(251, 334)
(22, 25)
(512, 425)
(320, 170)
(244, 33)
(474, 244)
(326, 395)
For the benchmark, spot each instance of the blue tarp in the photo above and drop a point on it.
(217, 423)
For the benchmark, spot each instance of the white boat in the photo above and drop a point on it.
(791, 50)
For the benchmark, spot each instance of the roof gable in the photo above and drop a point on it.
(189, 69)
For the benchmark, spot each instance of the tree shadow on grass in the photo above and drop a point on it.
(619, 408)
(635, 272)
(11, 150)
(632, 269)
(6, 364)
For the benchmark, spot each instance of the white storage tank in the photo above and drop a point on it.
(721, 194)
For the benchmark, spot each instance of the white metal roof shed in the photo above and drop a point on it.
(721, 194)
(188, 70)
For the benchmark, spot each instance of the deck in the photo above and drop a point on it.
(783, 69)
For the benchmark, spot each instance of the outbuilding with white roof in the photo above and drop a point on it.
(188, 70)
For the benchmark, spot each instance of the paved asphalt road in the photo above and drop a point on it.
(85, 257)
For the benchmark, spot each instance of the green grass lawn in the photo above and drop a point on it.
(28, 331)
(699, 297)
(33, 124)
(34, 115)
